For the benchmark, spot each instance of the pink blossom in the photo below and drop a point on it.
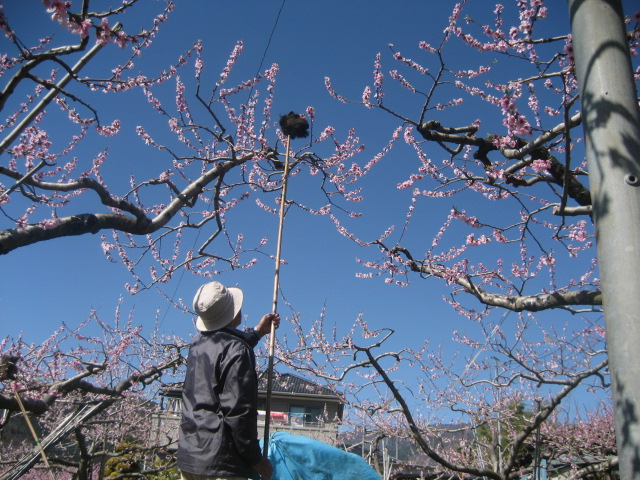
(366, 97)
(49, 224)
(496, 174)
(103, 33)
(403, 81)
(311, 112)
(405, 184)
(121, 39)
(462, 215)
(568, 48)
(427, 47)
(517, 125)
(548, 260)
(58, 10)
(497, 234)
(181, 102)
(332, 92)
(326, 133)
(552, 112)
(81, 28)
(378, 77)
(540, 166)
(199, 65)
(408, 135)
(106, 246)
(271, 73)
(109, 130)
(518, 270)
(473, 241)
(233, 58)
(410, 63)
(578, 232)
(146, 138)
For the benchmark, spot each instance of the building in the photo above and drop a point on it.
(298, 406)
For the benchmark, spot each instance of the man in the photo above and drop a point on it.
(218, 430)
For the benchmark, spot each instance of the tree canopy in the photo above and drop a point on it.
(480, 150)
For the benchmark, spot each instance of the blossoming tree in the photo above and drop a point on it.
(518, 224)
(83, 393)
(524, 187)
(224, 148)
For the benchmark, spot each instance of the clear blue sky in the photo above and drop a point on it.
(60, 281)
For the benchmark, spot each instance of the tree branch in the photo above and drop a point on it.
(516, 303)
(81, 224)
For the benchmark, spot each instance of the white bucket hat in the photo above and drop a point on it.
(216, 305)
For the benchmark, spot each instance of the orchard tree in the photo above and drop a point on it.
(225, 148)
(520, 184)
(220, 145)
(530, 234)
(83, 393)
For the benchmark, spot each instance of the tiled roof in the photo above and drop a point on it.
(282, 383)
(288, 383)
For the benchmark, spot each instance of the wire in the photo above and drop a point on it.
(275, 25)
(477, 354)
(266, 49)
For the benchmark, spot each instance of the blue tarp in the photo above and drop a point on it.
(301, 458)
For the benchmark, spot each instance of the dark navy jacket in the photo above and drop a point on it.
(219, 426)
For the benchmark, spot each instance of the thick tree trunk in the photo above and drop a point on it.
(612, 130)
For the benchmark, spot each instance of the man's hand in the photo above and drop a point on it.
(264, 327)
(264, 467)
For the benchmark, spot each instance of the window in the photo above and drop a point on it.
(304, 415)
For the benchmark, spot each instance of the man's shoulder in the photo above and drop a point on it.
(227, 336)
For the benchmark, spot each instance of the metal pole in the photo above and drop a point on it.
(276, 286)
(611, 122)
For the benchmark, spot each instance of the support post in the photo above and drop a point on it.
(611, 122)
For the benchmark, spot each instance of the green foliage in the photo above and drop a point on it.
(497, 434)
(169, 474)
(130, 459)
(127, 461)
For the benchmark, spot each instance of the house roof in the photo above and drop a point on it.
(289, 383)
(285, 383)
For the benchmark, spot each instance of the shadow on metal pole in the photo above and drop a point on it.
(611, 122)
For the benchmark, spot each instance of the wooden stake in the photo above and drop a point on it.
(35, 435)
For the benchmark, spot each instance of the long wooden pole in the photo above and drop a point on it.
(276, 287)
(34, 434)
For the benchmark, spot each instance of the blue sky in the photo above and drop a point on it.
(61, 281)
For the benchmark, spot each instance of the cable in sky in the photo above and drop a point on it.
(266, 49)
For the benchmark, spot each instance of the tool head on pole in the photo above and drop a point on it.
(294, 125)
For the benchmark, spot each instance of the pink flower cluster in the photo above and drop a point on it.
(332, 92)
(462, 216)
(233, 58)
(378, 77)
